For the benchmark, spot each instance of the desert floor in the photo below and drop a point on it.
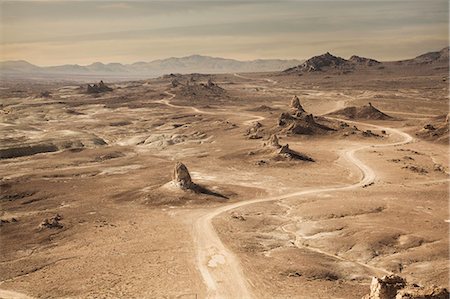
(367, 206)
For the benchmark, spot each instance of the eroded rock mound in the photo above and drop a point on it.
(255, 131)
(295, 105)
(45, 94)
(304, 124)
(208, 90)
(262, 108)
(98, 88)
(417, 292)
(52, 222)
(328, 61)
(385, 287)
(273, 141)
(441, 56)
(298, 121)
(362, 112)
(286, 152)
(181, 177)
(363, 61)
(396, 287)
(436, 130)
(319, 63)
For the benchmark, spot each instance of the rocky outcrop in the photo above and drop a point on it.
(295, 105)
(417, 292)
(385, 287)
(286, 152)
(45, 94)
(175, 83)
(328, 61)
(441, 56)
(255, 131)
(273, 141)
(181, 177)
(98, 88)
(362, 112)
(318, 63)
(437, 130)
(210, 83)
(52, 222)
(284, 118)
(363, 61)
(297, 121)
(396, 287)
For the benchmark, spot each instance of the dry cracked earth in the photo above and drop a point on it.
(89, 209)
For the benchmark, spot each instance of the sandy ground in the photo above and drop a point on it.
(281, 229)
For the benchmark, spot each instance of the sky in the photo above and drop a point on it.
(56, 32)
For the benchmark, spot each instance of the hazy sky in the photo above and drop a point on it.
(82, 32)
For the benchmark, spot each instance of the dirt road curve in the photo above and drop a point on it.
(220, 268)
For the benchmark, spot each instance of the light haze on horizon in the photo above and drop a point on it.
(83, 32)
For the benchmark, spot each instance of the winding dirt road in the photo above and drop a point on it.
(220, 268)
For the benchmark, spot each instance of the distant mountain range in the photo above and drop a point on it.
(328, 61)
(188, 64)
(197, 64)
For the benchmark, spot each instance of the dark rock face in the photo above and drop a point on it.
(181, 176)
(318, 63)
(98, 88)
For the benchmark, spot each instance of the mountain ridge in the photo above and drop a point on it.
(187, 64)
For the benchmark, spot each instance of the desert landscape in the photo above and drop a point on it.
(328, 179)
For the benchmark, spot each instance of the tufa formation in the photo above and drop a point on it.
(273, 141)
(181, 177)
(295, 104)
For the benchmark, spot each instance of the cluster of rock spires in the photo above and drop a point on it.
(396, 287)
(98, 88)
(297, 121)
(194, 89)
(329, 61)
(285, 151)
